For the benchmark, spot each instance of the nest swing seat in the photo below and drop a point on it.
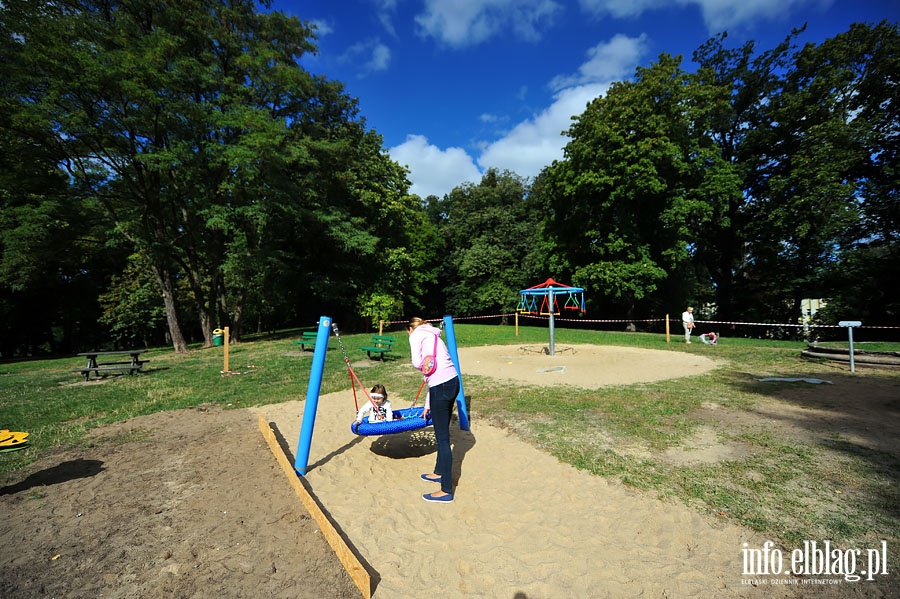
(411, 419)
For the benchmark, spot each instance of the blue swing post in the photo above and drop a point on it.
(312, 396)
(454, 355)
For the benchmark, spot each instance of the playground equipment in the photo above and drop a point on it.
(12, 440)
(301, 461)
(850, 324)
(407, 419)
(549, 291)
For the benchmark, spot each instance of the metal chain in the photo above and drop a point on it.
(337, 334)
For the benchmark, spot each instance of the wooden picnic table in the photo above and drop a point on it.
(132, 365)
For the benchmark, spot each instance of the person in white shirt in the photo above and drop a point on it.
(379, 407)
(687, 319)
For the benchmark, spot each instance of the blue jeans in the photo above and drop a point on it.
(442, 398)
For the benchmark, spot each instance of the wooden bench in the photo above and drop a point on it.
(131, 366)
(307, 338)
(379, 345)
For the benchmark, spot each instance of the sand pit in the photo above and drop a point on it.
(522, 524)
(585, 366)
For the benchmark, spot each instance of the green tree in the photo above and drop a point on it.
(826, 130)
(492, 232)
(214, 153)
(54, 253)
(748, 183)
(350, 231)
(859, 72)
(132, 309)
(621, 201)
(729, 98)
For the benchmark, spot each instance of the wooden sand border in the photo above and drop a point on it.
(864, 357)
(348, 558)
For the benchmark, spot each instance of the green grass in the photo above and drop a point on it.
(784, 487)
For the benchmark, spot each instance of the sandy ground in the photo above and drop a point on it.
(522, 524)
(585, 366)
(176, 504)
(192, 504)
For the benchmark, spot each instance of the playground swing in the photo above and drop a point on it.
(572, 303)
(406, 419)
(549, 305)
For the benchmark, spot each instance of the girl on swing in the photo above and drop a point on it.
(379, 407)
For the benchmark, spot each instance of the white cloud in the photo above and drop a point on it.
(381, 58)
(609, 61)
(371, 56)
(323, 28)
(470, 22)
(537, 142)
(533, 144)
(622, 8)
(718, 15)
(434, 171)
(385, 10)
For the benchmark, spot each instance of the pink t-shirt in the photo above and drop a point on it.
(421, 344)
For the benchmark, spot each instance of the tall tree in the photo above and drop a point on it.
(856, 75)
(492, 232)
(195, 127)
(621, 201)
(729, 98)
(55, 256)
(823, 135)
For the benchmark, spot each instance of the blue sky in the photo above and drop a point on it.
(459, 86)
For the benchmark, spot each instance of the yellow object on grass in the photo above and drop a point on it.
(10, 440)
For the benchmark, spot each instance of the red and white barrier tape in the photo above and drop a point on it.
(629, 320)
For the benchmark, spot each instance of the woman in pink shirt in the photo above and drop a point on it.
(443, 387)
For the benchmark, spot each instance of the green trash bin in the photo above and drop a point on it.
(218, 337)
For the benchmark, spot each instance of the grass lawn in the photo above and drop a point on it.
(787, 486)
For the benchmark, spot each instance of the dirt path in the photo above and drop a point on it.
(176, 504)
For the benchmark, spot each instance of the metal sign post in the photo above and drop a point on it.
(850, 324)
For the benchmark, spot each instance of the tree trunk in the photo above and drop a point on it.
(203, 307)
(164, 279)
(205, 325)
(237, 312)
